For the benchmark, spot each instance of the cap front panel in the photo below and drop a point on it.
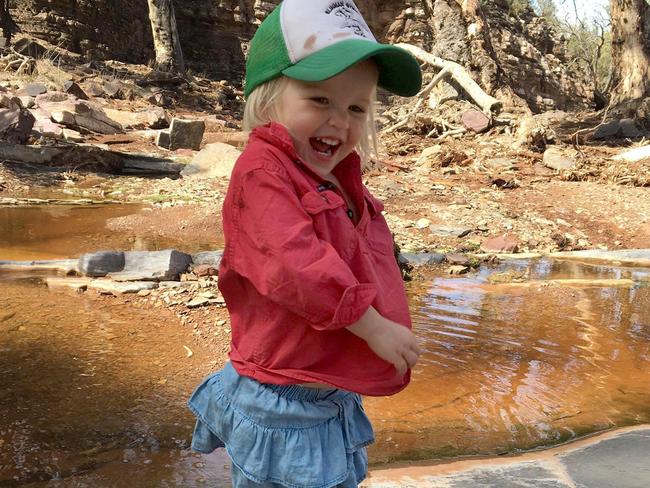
(311, 25)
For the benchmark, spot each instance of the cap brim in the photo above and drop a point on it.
(399, 71)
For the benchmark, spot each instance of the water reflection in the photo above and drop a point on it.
(92, 392)
(61, 231)
(510, 367)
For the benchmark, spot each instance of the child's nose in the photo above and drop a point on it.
(339, 118)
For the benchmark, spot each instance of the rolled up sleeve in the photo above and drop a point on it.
(275, 247)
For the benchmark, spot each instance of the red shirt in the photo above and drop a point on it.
(296, 271)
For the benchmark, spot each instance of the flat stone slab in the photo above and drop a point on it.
(632, 257)
(618, 460)
(623, 462)
(114, 288)
(62, 265)
(421, 259)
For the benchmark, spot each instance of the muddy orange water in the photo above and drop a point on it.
(62, 231)
(92, 391)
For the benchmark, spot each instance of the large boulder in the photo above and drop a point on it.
(214, 161)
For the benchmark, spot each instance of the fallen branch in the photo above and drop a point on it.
(487, 103)
(422, 96)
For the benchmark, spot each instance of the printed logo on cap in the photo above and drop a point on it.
(309, 26)
(352, 17)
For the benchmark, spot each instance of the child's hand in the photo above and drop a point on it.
(388, 340)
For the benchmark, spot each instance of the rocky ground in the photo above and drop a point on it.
(521, 183)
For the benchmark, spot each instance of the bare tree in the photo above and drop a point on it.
(169, 56)
(7, 24)
(631, 57)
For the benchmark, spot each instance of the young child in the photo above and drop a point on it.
(318, 309)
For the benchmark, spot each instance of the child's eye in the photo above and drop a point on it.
(320, 100)
(357, 109)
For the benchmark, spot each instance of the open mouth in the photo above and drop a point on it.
(324, 146)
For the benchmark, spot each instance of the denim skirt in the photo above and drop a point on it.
(290, 436)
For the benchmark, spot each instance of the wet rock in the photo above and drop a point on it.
(101, 263)
(422, 259)
(556, 159)
(155, 265)
(72, 88)
(32, 89)
(501, 244)
(476, 121)
(186, 134)
(214, 161)
(16, 125)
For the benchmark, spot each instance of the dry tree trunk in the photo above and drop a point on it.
(169, 57)
(487, 103)
(630, 56)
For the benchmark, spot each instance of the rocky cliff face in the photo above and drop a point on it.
(214, 36)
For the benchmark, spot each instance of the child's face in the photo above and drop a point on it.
(326, 119)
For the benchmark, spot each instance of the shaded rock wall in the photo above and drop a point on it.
(214, 36)
(213, 33)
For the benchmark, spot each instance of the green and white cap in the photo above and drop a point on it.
(313, 40)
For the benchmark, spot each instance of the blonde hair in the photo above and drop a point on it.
(260, 110)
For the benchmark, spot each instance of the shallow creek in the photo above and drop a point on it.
(92, 391)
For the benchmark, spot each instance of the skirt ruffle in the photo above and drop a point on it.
(291, 435)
